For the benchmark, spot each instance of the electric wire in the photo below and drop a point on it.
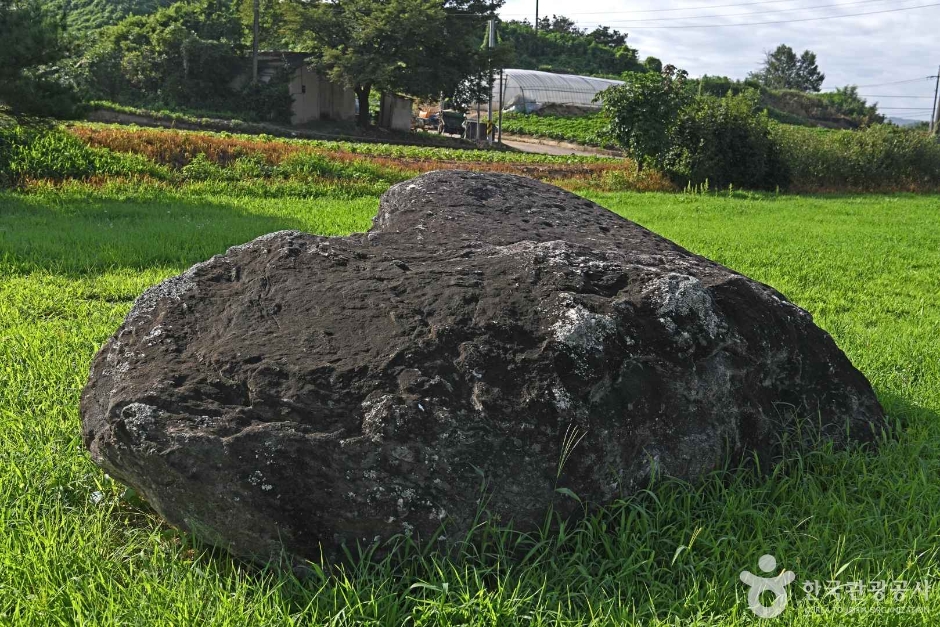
(794, 21)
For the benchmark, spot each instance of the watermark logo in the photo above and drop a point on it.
(759, 585)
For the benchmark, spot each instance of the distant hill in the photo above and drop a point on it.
(906, 122)
(85, 16)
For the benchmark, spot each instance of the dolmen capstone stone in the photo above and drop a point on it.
(491, 339)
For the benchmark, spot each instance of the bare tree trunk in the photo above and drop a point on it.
(362, 93)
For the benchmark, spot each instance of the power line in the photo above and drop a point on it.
(904, 82)
(889, 96)
(807, 19)
(705, 8)
(755, 13)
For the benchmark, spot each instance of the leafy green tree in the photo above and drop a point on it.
(605, 36)
(31, 43)
(602, 52)
(418, 47)
(184, 55)
(275, 16)
(641, 113)
(87, 16)
(561, 25)
(783, 69)
(653, 65)
(480, 83)
(847, 101)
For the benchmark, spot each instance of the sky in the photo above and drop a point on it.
(862, 50)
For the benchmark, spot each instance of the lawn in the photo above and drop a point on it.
(78, 549)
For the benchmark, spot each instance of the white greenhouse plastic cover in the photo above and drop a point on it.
(525, 91)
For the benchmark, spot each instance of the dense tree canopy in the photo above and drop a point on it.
(185, 54)
(782, 69)
(418, 47)
(87, 16)
(560, 46)
(31, 44)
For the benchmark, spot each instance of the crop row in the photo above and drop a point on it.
(286, 167)
(587, 130)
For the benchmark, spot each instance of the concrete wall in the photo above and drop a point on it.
(396, 113)
(316, 98)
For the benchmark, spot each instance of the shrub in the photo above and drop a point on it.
(726, 142)
(642, 112)
(268, 102)
(882, 158)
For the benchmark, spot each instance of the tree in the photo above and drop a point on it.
(418, 47)
(846, 101)
(642, 112)
(273, 16)
(184, 55)
(559, 24)
(604, 36)
(653, 65)
(782, 69)
(808, 74)
(31, 43)
(601, 52)
(87, 16)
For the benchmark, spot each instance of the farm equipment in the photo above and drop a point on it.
(427, 120)
(451, 122)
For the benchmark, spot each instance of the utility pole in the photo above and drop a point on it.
(935, 114)
(491, 41)
(254, 43)
(536, 16)
(500, 138)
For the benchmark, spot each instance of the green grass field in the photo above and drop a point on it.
(77, 549)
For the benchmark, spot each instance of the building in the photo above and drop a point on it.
(316, 98)
(396, 112)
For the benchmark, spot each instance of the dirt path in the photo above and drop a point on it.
(550, 147)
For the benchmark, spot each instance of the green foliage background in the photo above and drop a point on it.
(85, 17)
(570, 51)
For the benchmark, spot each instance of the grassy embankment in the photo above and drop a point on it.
(79, 549)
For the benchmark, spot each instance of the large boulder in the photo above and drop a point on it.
(491, 340)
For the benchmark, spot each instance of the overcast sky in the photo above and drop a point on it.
(861, 50)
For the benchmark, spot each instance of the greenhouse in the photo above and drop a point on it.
(525, 91)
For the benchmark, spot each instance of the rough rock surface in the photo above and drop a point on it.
(489, 330)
